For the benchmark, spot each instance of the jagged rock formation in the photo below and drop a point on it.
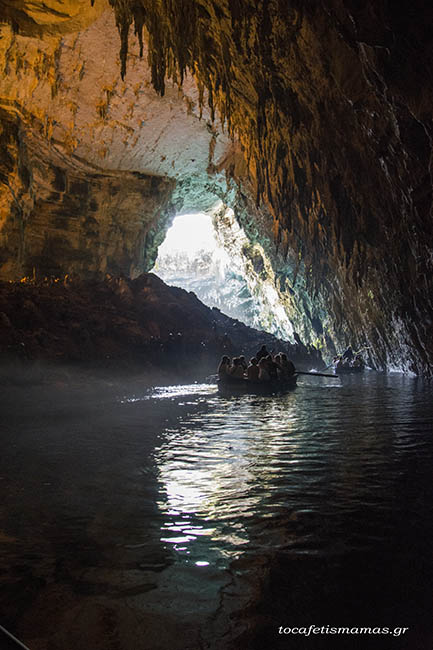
(225, 271)
(331, 102)
(54, 17)
(92, 167)
(140, 323)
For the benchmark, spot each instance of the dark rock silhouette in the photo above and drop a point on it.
(143, 323)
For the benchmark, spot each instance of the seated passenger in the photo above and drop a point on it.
(224, 368)
(340, 365)
(288, 366)
(278, 365)
(237, 369)
(348, 354)
(263, 370)
(272, 368)
(262, 353)
(358, 362)
(253, 370)
(243, 362)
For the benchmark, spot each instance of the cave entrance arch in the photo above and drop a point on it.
(209, 253)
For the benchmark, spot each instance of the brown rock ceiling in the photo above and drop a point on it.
(92, 166)
(331, 102)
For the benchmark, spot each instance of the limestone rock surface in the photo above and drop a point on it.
(92, 166)
(332, 102)
(142, 323)
(330, 107)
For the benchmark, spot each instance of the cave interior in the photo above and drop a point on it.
(305, 126)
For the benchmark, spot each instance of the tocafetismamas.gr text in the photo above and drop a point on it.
(327, 629)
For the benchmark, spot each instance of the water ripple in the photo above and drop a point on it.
(334, 461)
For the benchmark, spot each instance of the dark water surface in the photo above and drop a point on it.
(175, 519)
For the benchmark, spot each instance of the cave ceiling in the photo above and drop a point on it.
(78, 142)
(326, 108)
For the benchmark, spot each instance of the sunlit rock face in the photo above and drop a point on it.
(212, 256)
(67, 216)
(332, 103)
(39, 18)
(92, 168)
(268, 309)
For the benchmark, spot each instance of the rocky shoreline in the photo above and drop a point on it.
(115, 322)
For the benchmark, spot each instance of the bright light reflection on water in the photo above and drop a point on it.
(169, 392)
(208, 473)
(328, 485)
(306, 463)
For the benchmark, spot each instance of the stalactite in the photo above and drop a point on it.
(180, 38)
(124, 11)
(301, 84)
(139, 16)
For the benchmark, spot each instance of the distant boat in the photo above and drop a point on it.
(234, 386)
(348, 370)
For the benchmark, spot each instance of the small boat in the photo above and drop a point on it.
(233, 386)
(348, 370)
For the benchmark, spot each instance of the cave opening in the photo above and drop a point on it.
(210, 254)
(145, 504)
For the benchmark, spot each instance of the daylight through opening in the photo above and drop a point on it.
(211, 255)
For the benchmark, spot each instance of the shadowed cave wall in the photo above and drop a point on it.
(329, 168)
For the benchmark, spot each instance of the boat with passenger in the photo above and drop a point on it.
(240, 386)
(264, 375)
(347, 369)
(348, 363)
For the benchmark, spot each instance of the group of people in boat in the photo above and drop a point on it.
(262, 367)
(348, 361)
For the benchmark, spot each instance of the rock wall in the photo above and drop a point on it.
(332, 102)
(329, 104)
(69, 217)
(92, 168)
(39, 18)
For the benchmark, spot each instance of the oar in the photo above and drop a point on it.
(11, 641)
(316, 374)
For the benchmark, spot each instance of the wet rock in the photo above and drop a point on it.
(328, 170)
(5, 322)
(332, 104)
(86, 322)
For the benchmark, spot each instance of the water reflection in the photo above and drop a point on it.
(317, 471)
(171, 392)
(159, 494)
